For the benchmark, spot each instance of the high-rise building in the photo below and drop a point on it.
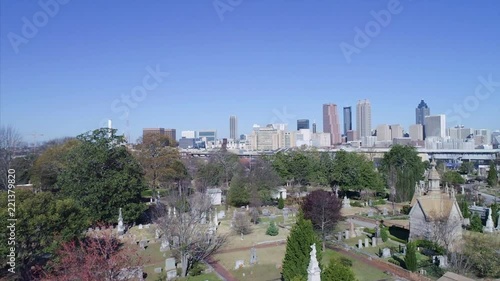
(460, 132)
(417, 132)
(331, 122)
(233, 127)
(364, 118)
(396, 131)
(188, 134)
(352, 135)
(314, 127)
(486, 135)
(383, 133)
(347, 120)
(421, 111)
(161, 131)
(302, 124)
(435, 126)
(208, 135)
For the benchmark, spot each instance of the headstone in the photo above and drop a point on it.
(367, 244)
(360, 244)
(347, 234)
(142, 244)
(313, 270)
(247, 208)
(165, 245)
(489, 228)
(221, 214)
(370, 213)
(374, 241)
(404, 250)
(169, 212)
(157, 233)
(253, 256)
(370, 203)
(351, 229)
(121, 227)
(239, 264)
(386, 253)
(266, 212)
(140, 226)
(216, 220)
(384, 212)
(441, 261)
(203, 218)
(346, 203)
(158, 269)
(170, 264)
(146, 226)
(339, 236)
(463, 190)
(285, 213)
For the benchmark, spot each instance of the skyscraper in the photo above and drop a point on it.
(331, 122)
(233, 127)
(435, 126)
(302, 124)
(364, 118)
(314, 127)
(421, 111)
(347, 120)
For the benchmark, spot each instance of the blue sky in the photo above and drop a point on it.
(260, 60)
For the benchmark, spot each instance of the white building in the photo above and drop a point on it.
(417, 132)
(364, 118)
(215, 196)
(486, 135)
(188, 134)
(396, 131)
(435, 126)
(280, 191)
(383, 133)
(321, 140)
(368, 141)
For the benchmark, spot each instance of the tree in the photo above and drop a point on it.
(466, 168)
(43, 222)
(384, 234)
(411, 256)
(194, 241)
(23, 167)
(10, 140)
(272, 230)
(336, 270)
(95, 258)
(323, 209)
(238, 194)
(281, 202)
(402, 167)
(445, 230)
(453, 178)
(464, 208)
(160, 161)
(476, 224)
(483, 254)
(298, 247)
(241, 224)
(103, 176)
(492, 175)
(50, 163)
(261, 181)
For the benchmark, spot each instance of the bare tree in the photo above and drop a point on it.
(10, 139)
(445, 231)
(186, 222)
(241, 224)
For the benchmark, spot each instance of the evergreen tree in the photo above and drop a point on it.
(464, 208)
(337, 271)
(492, 175)
(476, 224)
(281, 203)
(411, 256)
(238, 194)
(298, 247)
(384, 234)
(272, 230)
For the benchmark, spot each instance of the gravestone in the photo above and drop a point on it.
(339, 236)
(374, 241)
(404, 250)
(367, 244)
(463, 190)
(221, 214)
(347, 234)
(146, 226)
(121, 227)
(386, 253)
(157, 234)
(360, 244)
(140, 226)
(370, 203)
(203, 218)
(239, 264)
(346, 203)
(285, 213)
(253, 256)
(172, 274)
(441, 261)
(370, 213)
(158, 269)
(165, 245)
(142, 244)
(170, 264)
(351, 230)
(266, 212)
(384, 212)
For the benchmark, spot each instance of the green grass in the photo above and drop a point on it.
(267, 272)
(362, 271)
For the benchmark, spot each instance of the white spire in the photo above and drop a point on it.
(313, 270)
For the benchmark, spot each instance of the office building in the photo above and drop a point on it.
(314, 127)
(208, 135)
(364, 118)
(264, 138)
(485, 134)
(331, 122)
(383, 133)
(302, 124)
(352, 135)
(417, 132)
(188, 134)
(460, 132)
(233, 127)
(421, 111)
(435, 126)
(347, 120)
(320, 140)
(160, 131)
(396, 131)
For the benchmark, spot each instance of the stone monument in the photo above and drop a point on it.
(313, 270)
(489, 228)
(351, 230)
(121, 227)
(346, 203)
(253, 256)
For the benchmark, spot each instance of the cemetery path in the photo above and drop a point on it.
(221, 270)
(257, 246)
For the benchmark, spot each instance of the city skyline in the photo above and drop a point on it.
(63, 83)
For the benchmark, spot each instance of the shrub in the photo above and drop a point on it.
(378, 202)
(356, 204)
(411, 257)
(272, 230)
(384, 234)
(281, 203)
(430, 246)
(197, 269)
(369, 230)
(406, 209)
(393, 261)
(346, 261)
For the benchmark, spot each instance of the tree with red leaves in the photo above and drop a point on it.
(323, 209)
(101, 257)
